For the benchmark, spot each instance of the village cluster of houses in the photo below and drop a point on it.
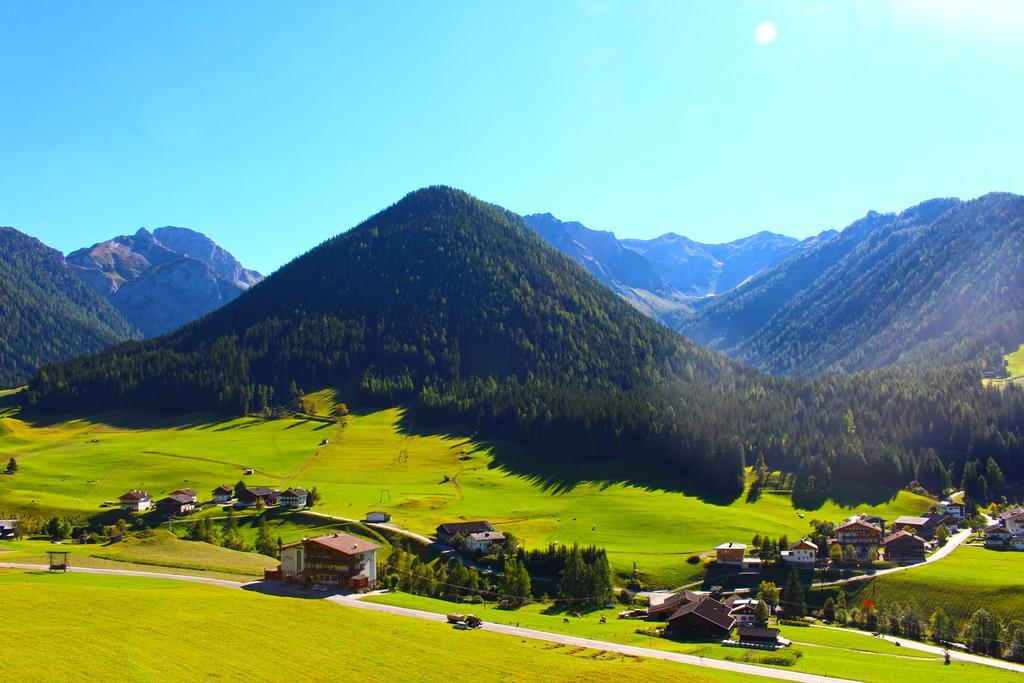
(1008, 532)
(692, 615)
(183, 501)
(907, 540)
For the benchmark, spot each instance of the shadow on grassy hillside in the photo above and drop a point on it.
(555, 475)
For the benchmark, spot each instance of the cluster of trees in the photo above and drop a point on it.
(227, 535)
(457, 309)
(983, 486)
(449, 580)
(583, 581)
(770, 549)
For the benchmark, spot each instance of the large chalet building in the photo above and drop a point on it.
(333, 559)
(803, 553)
(862, 533)
(136, 501)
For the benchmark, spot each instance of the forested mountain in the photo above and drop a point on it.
(164, 279)
(46, 313)
(667, 277)
(459, 310)
(940, 282)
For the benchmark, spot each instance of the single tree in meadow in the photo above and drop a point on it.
(768, 592)
(835, 552)
(942, 630)
(12, 466)
(761, 613)
(265, 543)
(312, 497)
(828, 610)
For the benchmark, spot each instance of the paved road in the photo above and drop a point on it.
(934, 649)
(954, 542)
(128, 572)
(736, 667)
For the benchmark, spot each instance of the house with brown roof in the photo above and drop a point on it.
(223, 494)
(705, 618)
(186, 492)
(136, 501)
(1013, 520)
(922, 526)
(860, 533)
(741, 609)
(672, 602)
(293, 497)
(446, 533)
(997, 536)
(251, 496)
(332, 559)
(803, 553)
(484, 541)
(904, 547)
(760, 638)
(735, 555)
(175, 505)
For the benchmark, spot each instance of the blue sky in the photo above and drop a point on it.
(272, 126)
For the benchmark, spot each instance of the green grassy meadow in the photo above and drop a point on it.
(79, 627)
(969, 579)
(824, 651)
(1015, 362)
(376, 460)
(159, 549)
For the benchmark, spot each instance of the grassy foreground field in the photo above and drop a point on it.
(639, 512)
(824, 652)
(970, 579)
(74, 627)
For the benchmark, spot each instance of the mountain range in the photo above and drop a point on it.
(460, 311)
(46, 313)
(53, 308)
(670, 276)
(940, 282)
(163, 279)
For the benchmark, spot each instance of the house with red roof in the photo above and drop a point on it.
(333, 559)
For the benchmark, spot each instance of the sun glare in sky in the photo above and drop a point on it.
(766, 32)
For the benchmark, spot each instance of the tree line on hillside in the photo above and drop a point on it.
(455, 309)
(47, 313)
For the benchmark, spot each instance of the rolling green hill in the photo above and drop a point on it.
(383, 460)
(940, 282)
(970, 579)
(47, 314)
